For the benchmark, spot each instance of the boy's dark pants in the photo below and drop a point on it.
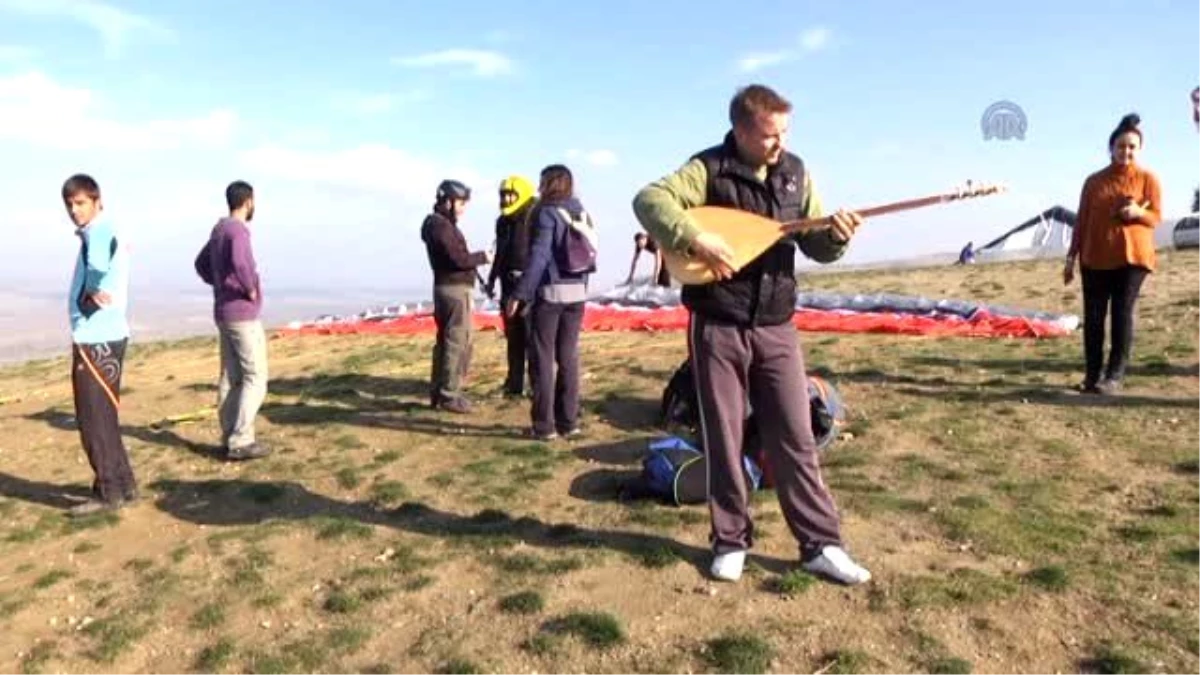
(96, 381)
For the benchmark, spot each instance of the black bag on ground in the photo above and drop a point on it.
(679, 407)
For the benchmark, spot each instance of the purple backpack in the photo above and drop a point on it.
(576, 252)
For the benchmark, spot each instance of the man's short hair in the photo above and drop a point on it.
(754, 100)
(80, 183)
(237, 194)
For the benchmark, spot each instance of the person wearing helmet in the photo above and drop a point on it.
(512, 252)
(454, 273)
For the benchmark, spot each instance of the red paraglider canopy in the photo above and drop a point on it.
(611, 317)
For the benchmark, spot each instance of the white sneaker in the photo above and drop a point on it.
(835, 564)
(728, 566)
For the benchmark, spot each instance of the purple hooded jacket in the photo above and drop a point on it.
(227, 264)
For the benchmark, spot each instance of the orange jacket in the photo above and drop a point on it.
(1104, 241)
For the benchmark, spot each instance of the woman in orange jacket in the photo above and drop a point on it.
(1113, 241)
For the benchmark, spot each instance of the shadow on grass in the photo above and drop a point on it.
(613, 484)
(1061, 397)
(66, 422)
(656, 374)
(47, 494)
(876, 376)
(401, 418)
(621, 453)
(370, 392)
(627, 413)
(604, 485)
(1014, 366)
(217, 503)
(371, 401)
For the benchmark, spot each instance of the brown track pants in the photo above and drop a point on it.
(765, 361)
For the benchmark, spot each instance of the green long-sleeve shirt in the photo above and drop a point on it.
(661, 208)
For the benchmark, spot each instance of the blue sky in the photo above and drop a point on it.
(346, 115)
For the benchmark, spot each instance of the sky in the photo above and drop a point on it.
(345, 116)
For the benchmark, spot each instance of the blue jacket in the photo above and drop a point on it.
(102, 265)
(542, 269)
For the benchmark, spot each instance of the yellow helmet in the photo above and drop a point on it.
(519, 186)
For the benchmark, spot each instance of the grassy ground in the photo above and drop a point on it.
(1011, 525)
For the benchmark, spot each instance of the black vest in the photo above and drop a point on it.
(764, 292)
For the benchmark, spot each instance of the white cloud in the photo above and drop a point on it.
(483, 63)
(372, 168)
(812, 40)
(759, 60)
(378, 103)
(115, 26)
(815, 39)
(601, 157)
(35, 109)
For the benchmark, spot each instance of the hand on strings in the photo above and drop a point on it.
(711, 249)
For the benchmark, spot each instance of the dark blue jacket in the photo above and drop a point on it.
(549, 229)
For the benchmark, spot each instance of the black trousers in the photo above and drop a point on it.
(96, 381)
(516, 334)
(554, 341)
(1104, 290)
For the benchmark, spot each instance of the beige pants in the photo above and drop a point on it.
(243, 384)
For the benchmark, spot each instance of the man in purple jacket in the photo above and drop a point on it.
(227, 264)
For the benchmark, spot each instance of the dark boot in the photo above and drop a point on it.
(95, 506)
(458, 406)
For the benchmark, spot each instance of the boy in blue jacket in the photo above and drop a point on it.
(96, 306)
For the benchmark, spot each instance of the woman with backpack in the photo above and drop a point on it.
(553, 289)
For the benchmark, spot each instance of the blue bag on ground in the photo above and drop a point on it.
(676, 472)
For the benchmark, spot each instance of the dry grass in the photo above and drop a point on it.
(1011, 525)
